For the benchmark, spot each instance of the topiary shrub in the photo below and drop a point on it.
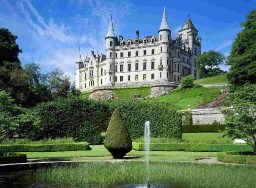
(118, 141)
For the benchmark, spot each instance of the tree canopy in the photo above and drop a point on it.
(208, 62)
(243, 53)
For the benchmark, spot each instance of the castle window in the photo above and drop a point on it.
(121, 68)
(160, 37)
(145, 52)
(167, 74)
(129, 43)
(121, 54)
(110, 54)
(129, 78)
(85, 76)
(195, 52)
(101, 81)
(160, 74)
(161, 49)
(136, 66)
(152, 76)
(111, 43)
(91, 73)
(110, 78)
(121, 78)
(137, 53)
(178, 68)
(129, 54)
(153, 40)
(116, 55)
(174, 78)
(152, 65)
(129, 67)
(115, 78)
(144, 76)
(85, 85)
(101, 71)
(144, 65)
(144, 41)
(136, 77)
(116, 68)
(153, 51)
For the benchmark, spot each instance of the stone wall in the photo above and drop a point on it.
(157, 91)
(102, 95)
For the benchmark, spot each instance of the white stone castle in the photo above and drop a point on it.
(148, 61)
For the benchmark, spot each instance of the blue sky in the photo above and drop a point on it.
(50, 31)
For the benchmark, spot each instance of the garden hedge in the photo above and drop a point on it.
(44, 147)
(70, 118)
(202, 128)
(193, 147)
(6, 158)
(236, 157)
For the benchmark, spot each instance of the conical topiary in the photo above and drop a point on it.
(118, 141)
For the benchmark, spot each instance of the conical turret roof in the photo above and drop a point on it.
(111, 32)
(164, 23)
(79, 60)
(189, 24)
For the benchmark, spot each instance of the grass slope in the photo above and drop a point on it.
(127, 93)
(180, 99)
(220, 79)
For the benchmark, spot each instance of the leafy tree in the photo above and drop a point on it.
(216, 71)
(118, 141)
(243, 53)
(9, 50)
(208, 61)
(9, 112)
(241, 120)
(187, 81)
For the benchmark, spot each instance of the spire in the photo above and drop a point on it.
(164, 24)
(111, 32)
(79, 56)
(189, 24)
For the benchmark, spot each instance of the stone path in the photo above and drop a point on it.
(208, 160)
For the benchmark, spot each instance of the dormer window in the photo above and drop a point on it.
(129, 43)
(144, 41)
(153, 40)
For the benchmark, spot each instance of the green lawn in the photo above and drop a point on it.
(127, 94)
(220, 79)
(180, 99)
(98, 152)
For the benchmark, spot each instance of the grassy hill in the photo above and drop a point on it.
(220, 79)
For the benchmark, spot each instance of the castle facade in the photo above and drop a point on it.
(151, 60)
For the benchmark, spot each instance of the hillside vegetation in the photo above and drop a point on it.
(220, 79)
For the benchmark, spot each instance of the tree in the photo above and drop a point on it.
(208, 61)
(118, 141)
(241, 120)
(243, 54)
(9, 50)
(8, 116)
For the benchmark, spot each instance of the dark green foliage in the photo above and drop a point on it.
(88, 132)
(9, 50)
(243, 54)
(187, 118)
(163, 122)
(207, 63)
(118, 141)
(6, 158)
(187, 81)
(203, 128)
(198, 147)
(236, 157)
(45, 147)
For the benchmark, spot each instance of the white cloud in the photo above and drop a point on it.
(224, 45)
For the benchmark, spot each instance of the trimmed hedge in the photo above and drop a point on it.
(236, 157)
(164, 123)
(45, 147)
(6, 158)
(193, 147)
(203, 128)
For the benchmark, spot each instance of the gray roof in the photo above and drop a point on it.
(164, 23)
(111, 32)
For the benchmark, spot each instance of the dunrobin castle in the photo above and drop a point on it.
(147, 61)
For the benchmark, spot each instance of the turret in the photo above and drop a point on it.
(110, 37)
(79, 61)
(164, 32)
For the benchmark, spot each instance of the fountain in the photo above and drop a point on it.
(146, 142)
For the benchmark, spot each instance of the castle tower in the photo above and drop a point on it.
(110, 43)
(79, 64)
(164, 34)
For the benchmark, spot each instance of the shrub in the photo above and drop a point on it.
(206, 138)
(203, 128)
(194, 147)
(44, 147)
(6, 158)
(118, 141)
(187, 81)
(236, 157)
